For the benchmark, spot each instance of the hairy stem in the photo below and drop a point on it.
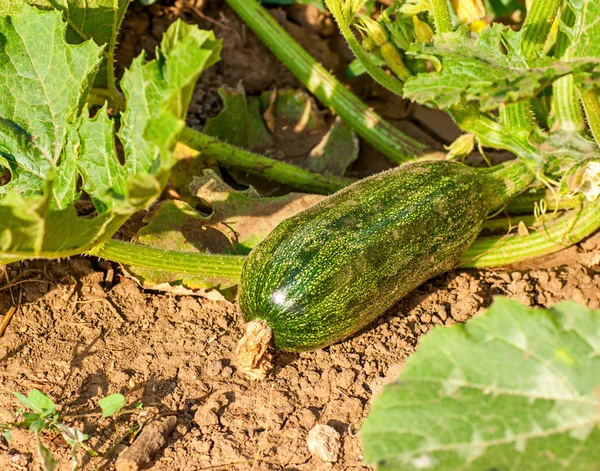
(566, 106)
(380, 134)
(441, 16)
(288, 174)
(537, 26)
(558, 235)
(525, 203)
(189, 263)
(505, 181)
(591, 105)
(538, 23)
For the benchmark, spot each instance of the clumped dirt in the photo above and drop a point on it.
(83, 330)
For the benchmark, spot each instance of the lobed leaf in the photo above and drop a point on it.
(98, 20)
(48, 142)
(514, 388)
(488, 69)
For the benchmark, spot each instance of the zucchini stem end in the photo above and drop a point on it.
(254, 351)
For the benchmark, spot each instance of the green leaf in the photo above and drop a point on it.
(488, 69)
(98, 20)
(7, 435)
(584, 35)
(514, 388)
(37, 425)
(111, 404)
(37, 401)
(48, 143)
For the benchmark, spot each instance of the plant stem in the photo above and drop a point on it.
(189, 263)
(518, 116)
(537, 26)
(505, 224)
(483, 253)
(380, 134)
(504, 181)
(441, 16)
(591, 105)
(525, 203)
(566, 106)
(288, 174)
(494, 134)
(560, 234)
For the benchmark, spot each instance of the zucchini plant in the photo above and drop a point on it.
(532, 92)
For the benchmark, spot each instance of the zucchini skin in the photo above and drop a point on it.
(330, 270)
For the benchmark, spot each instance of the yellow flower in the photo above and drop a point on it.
(470, 12)
(461, 147)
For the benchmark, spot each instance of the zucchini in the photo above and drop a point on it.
(330, 270)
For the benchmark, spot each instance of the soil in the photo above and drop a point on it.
(83, 330)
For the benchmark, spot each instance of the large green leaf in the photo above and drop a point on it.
(584, 35)
(513, 389)
(48, 143)
(98, 20)
(488, 69)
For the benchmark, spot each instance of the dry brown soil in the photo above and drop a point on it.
(83, 330)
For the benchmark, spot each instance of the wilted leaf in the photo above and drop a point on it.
(288, 125)
(238, 222)
(71, 435)
(240, 122)
(49, 463)
(514, 388)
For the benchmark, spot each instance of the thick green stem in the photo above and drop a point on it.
(504, 224)
(493, 134)
(379, 133)
(288, 174)
(519, 116)
(441, 16)
(525, 203)
(189, 263)
(591, 105)
(560, 234)
(566, 106)
(503, 182)
(483, 253)
(537, 26)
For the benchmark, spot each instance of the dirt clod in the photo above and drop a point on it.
(324, 442)
(153, 438)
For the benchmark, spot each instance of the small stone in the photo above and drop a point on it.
(324, 442)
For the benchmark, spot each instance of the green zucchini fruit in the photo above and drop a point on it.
(330, 270)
